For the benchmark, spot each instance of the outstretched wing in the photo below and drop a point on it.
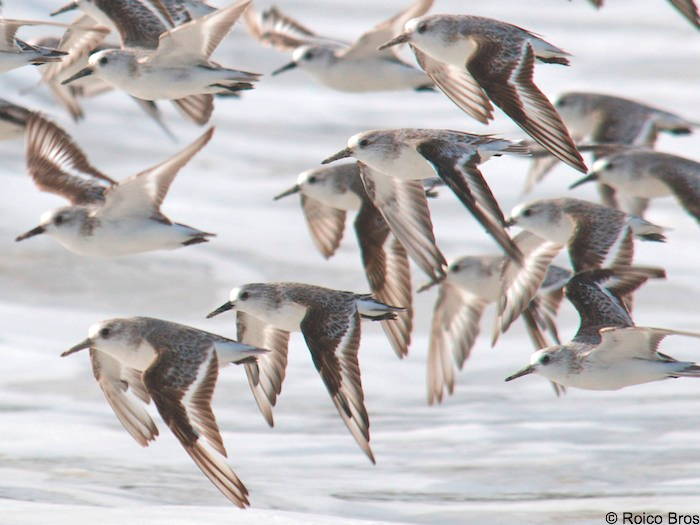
(142, 194)
(58, 165)
(326, 224)
(618, 343)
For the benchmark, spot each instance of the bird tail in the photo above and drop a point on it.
(692, 370)
(370, 308)
(646, 230)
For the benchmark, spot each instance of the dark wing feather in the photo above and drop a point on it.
(198, 108)
(514, 91)
(326, 224)
(333, 341)
(387, 270)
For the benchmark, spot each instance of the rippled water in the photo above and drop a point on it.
(506, 453)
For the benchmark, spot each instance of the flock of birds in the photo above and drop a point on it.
(164, 52)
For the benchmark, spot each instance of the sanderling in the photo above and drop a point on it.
(330, 322)
(80, 45)
(472, 283)
(595, 236)
(396, 158)
(687, 8)
(643, 175)
(608, 352)
(13, 120)
(476, 61)
(176, 366)
(326, 194)
(16, 53)
(355, 67)
(105, 217)
(607, 119)
(178, 67)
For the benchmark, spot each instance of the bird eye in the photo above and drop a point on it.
(610, 166)
(545, 359)
(103, 61)
(58, 220)
(364, 143)
(244, 296)
(308, 55)
(527, 213)
(422, 28)
(104, 333)
(312, 179)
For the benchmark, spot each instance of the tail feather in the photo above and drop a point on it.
(692, 370)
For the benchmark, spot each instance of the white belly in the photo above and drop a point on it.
(646, 187)
(287, 317)
(370, 75)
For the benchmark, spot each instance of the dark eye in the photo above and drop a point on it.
(422, 28)
(103, 61)
(312, 179)
(610, 166)
(104, 333)
(244, 296)
(58, 220)
(308, 55)
(545, 359)
(527, 213)
(561, 103)
(364, 143)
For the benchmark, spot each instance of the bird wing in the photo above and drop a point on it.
(58, 165)
(326, 224)
(114, 380)
(510, 85)
(333, 339)
(274, 28)
(368, 43)
(457, 165)
(620, 343)
(455, 327)
(197, 39)
(184, 403)
(405, 209)
(520, 282)
(689, 10)
(142, 194)
(265, 376)
(459, 86)
(197, 108)
(388, 273)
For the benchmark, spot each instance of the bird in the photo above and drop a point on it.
(687, 8)
(598, 118)
(179, 66)
(104, 218)
(13, 120)
(350, 67)
(472, 283)
(594, 235)
(176, 366)
(327, 194)
(477, 61)
(642, 174)
(394, 161)
(139, 24)
(330, 322)
(15, 52)
(608, 351)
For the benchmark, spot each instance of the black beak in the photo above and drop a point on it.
(589, 178)
(284, 68)
(31, 233)
(291, 191)
(80, 74)
(525, 371)
(80, 346)
(400, 39)
(221, 309)
(344, 153)
(510, 222)
(68, 7)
